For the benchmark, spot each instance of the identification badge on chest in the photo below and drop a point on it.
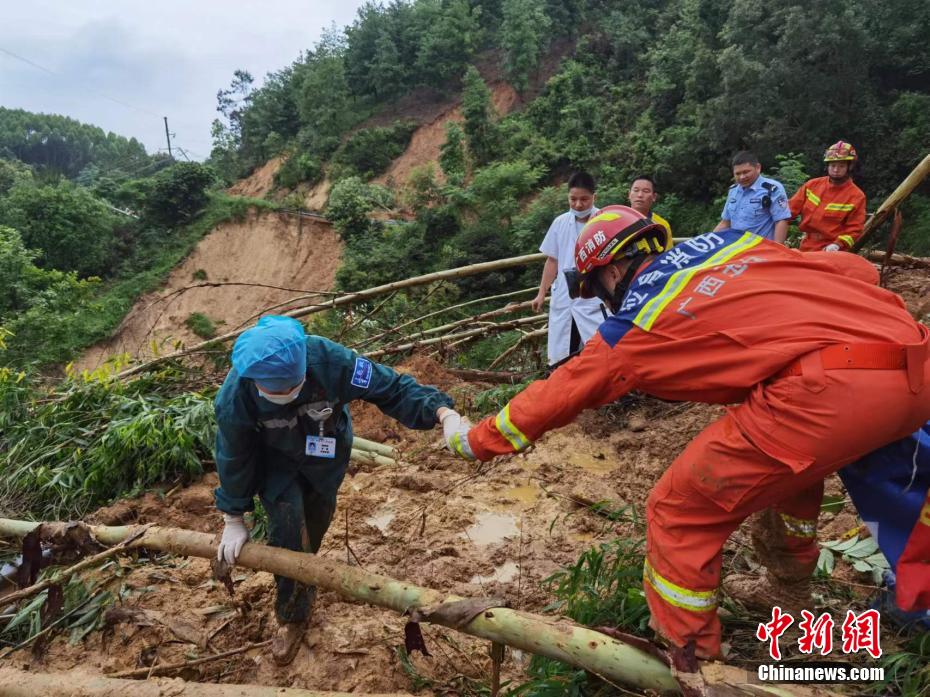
(320, 446)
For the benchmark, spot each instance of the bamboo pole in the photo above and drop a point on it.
(351, 299)
(558, 639)
(468, 334)
(506, 310)
(441, 311)
(371, 458)
(372, 446)
(18, 683)
(897, 197)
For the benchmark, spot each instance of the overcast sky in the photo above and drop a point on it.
(123, 64)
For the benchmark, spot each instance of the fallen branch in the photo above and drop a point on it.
(558, 639)
(506, 310)
(496, 376)
(441, 311)
(526, 338)
(351, 299)
(18, 683)
(167, 668)
(491, 328)
(897, 197)
(60, 576)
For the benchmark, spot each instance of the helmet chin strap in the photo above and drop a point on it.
(616, 298)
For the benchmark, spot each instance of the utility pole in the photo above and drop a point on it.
(168, 136)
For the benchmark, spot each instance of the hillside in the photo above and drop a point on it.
(239, 257)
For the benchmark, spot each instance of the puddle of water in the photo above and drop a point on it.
(590, 463)
(491, 527)
(382, 518)
(524, 495)
(503, 573)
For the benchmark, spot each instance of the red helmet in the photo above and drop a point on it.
(615, 230)
(840, 151)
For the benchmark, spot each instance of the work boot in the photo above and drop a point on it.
(762, 593)
(286, 642)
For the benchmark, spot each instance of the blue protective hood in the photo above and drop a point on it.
(273, 353)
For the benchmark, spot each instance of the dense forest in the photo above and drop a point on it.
(667, 87)
(88, 221)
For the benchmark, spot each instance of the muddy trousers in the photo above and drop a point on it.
(297, 520)
(772, 451)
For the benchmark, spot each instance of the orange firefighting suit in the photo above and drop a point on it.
(830, 214)
(824, 365)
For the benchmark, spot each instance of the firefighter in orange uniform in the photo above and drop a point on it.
(708, 321)
(832, 208)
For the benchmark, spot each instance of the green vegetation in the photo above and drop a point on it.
(201, 325)
(94, 438)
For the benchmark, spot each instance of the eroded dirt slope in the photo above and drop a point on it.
(265, 248)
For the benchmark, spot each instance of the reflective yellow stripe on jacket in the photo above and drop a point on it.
(798, 527)
(812, 197)
(679, 280)
(839, 206)
(509, 431)
(847, 240)
(696, 601)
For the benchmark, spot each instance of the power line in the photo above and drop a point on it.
(25, 60)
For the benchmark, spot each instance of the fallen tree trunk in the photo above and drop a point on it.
(18, 683)
(897, 197)
(901, 259)
(558, 639)
(351, 299)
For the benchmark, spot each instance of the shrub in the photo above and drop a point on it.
(179, 192)
(201, 325)
(370, 151)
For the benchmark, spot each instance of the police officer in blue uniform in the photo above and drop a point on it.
(285, 434)
(755, 203)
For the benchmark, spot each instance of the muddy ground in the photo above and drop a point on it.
(495, 530)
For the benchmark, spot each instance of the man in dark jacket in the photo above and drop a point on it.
(285, 434)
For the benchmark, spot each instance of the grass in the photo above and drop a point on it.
(201, 325)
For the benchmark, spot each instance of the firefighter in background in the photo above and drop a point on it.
(697, 322)
(832, 208)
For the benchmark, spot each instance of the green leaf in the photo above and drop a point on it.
(862, 566)
(833, 504)
(826, 563)
(841, 545)
(862, 549)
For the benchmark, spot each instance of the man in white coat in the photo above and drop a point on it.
(571, 322)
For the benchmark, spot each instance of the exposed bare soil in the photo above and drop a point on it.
(287, 257)
(428, 138)
(260, 182)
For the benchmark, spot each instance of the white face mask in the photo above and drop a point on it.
(583, 214)
(282, 399)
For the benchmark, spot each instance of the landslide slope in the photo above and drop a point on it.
(238, 270)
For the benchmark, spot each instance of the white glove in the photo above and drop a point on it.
(455, 428)
(832, 248)
(235, 535)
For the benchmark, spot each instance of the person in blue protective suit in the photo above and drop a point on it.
(285, 434)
